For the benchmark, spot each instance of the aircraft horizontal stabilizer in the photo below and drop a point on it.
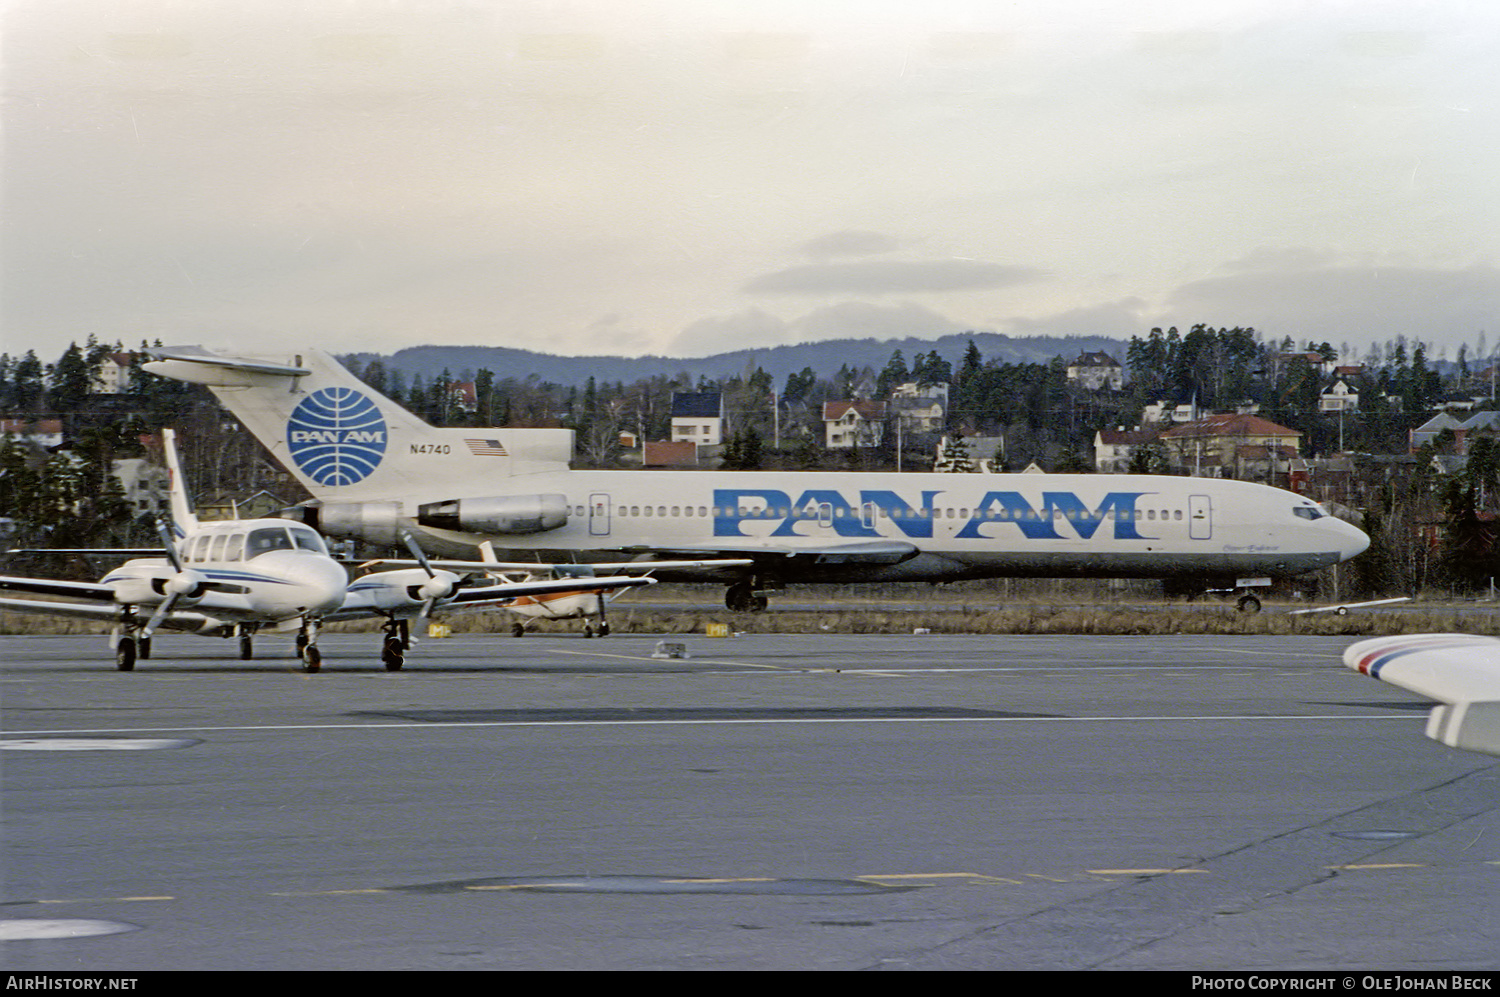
(198, 355)
(1461, 671)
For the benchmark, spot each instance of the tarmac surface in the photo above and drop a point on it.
(777, 802)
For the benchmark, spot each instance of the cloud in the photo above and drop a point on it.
(893, 277)
(1444, 307)
(850, 243)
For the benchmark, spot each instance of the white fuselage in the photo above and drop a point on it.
(259, 571)
(961, 525)
(376, 471)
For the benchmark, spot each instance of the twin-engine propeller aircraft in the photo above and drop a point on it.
(230, 578)
(1461, 671)
(236, 577)
(376, 470)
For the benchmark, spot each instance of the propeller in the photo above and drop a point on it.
(434, 588)
(184, 582)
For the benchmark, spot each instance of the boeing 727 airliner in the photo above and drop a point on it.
(375, 470)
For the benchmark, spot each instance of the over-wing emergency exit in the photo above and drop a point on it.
(376, 470)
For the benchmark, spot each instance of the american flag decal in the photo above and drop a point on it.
(486, 448)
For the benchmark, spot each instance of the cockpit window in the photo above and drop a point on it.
(269, 538)
(1309, 512)
(308, 540)
(266, 539)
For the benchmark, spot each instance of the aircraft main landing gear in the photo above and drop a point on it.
(393, 645)
(743, 597)
(125, 654)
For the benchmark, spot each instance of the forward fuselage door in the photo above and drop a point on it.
(599, 514)
(1200, 517)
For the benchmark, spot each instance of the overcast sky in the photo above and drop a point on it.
(691, 176)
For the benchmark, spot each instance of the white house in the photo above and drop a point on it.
(698, 417)
(853, 423)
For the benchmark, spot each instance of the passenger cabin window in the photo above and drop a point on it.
(216, 553)
(236, 549)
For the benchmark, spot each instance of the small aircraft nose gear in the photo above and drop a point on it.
(307, 646)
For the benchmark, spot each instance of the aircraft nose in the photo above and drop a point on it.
(326, 591)
(1354, 541)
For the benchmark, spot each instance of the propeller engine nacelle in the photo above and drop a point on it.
(185, 588)
(500, 514)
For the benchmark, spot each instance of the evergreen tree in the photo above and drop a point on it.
(26, 383)
(71, 381)
(894, 373)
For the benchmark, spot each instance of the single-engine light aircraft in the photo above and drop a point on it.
(375, 470)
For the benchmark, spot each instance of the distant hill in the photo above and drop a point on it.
(825, 358)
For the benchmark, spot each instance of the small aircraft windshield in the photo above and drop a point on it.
(308, 540)
(269, 538)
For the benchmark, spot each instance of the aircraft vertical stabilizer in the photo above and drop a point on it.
(347, 442)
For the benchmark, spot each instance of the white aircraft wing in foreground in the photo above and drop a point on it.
(1461, 671)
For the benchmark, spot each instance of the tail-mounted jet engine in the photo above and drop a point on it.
(382, 522)
(501, 514)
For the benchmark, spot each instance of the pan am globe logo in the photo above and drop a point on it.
(337, 436)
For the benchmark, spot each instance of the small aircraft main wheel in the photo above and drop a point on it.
(391, 655)
(516, 630)
(312, 658)
(588, 631)
(1341, 611)
(603, 629)
(1249, 604)
(247, 647)
(302, 643)
(125, 654)
(143, 649)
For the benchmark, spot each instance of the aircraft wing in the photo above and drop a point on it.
(863, 552)
(125, 552)
(1461, 671)
(48, 586)
(601, 568)
(104, 613)
(507, 591)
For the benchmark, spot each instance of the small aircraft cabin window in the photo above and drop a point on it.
(236, 548)
(216, 552)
